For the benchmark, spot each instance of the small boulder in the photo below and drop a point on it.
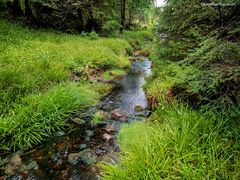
(138, 108)
(109, 128)
(107, 137)
(86, 156)
(73, 158)
(13, 165)
(78, 121)
(82, 146)
(117, 114)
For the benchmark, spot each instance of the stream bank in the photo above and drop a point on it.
(74, 153)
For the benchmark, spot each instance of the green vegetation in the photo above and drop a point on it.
(38, 116)
(178, 142)
(181, 143)
(37, 68)
(193, 132)
(139, 38)
(104, 16)
(194, 129)
(113, 73)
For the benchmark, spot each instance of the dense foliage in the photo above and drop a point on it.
(205, 38)
(78, 15)
(193, 132)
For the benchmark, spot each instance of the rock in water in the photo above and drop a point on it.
(117, 114)
(13, 165)
(82, 146)
(107, 137)
(28, 166)
(78, 121)
(109, 128)
(138, 108)
(86, 156)
(73, 158)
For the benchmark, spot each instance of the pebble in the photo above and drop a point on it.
(107, 136)
(13, 165)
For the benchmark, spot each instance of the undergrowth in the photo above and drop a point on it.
(140, 39)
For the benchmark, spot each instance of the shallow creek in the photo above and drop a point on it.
(74, 153)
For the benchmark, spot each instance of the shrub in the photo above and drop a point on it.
(111, 28)
(93, 35)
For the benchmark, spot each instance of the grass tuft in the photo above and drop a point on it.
(181, 143)
(39, 116)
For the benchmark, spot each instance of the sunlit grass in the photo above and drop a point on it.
(108, 75)
(38, 116)
(177, 143)
(36, 92)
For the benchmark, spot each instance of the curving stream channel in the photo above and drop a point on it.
(74, 153)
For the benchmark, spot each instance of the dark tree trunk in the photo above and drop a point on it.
(123, 15)
(28, 11)
(13, 8)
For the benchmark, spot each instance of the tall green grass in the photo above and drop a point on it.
(33, 60)
(36, 117)
(36, 92)
(178, 143)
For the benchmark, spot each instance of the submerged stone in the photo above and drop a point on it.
(86, 156)
(138, 108)
(73, 158)
(28, 166)
(107, 136)
(89, 133)
(82, 146)
(118, 114)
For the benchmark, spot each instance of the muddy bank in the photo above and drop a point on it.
(74, 153)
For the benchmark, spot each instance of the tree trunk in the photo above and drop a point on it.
(123, 15)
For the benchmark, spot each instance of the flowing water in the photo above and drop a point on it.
(73, 154)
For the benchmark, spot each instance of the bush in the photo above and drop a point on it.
(111, 28)
(93, 35)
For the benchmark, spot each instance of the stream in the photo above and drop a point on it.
(74, 153)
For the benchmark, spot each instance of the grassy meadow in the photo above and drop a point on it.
(37, 91)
